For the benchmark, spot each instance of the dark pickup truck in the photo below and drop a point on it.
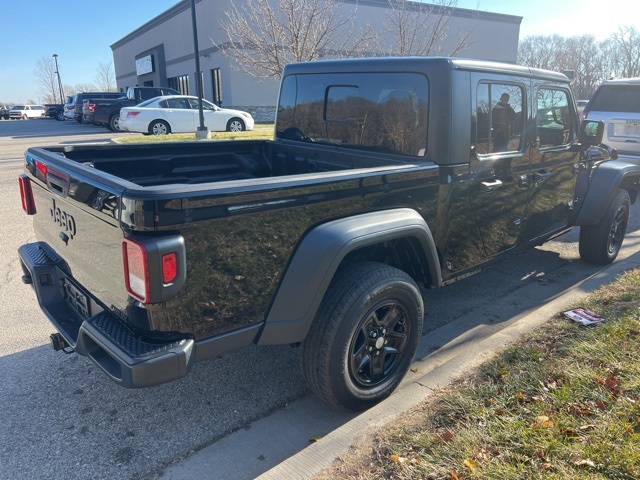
(384, 176)
(106, 111)
(54, 110)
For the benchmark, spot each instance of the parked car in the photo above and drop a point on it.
(179, 114)
(78, 98)
(25, 112)
(106, 111)
(4, 111)
(617, 104)
(54, 110)
(70, 107)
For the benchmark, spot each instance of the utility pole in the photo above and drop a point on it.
(55, 57)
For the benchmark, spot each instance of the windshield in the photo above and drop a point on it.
(18, 107)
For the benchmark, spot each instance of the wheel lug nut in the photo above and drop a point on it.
(373, 334)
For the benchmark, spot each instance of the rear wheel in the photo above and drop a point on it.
(600, 244)
(159, 127)
(364, 336)
(235, 125)
(114, 123)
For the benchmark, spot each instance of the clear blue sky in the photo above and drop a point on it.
(80, 32)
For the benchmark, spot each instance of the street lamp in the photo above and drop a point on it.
(202, 131)
(55, 57)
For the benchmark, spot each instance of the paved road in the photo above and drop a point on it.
(62, 418)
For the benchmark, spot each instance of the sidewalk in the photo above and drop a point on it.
(272, 448)
(439, 369)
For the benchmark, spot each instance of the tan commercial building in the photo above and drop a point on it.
(161, 52)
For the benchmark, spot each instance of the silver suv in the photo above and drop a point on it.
(617, 104)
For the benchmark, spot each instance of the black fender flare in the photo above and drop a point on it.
(318, 256)
(603, 185)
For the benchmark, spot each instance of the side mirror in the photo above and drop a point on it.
(591, 132)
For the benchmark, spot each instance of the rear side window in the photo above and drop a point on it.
(499, 118)
(616, 98)
(384, 112)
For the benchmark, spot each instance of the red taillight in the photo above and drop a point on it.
(42, 168)
(26, 195)
(92, 107)
(132, 114)
(136, 270)
(169, 267)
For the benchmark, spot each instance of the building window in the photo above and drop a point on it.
(216, 82)
(180, 84)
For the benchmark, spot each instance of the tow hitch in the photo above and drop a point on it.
(58, 342)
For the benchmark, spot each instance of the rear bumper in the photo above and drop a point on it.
(93, 330)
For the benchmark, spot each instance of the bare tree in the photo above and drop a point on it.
(626, 41)
(46, 78)
(423, 28)
(84, 87)
(106, 78)
(265, 35)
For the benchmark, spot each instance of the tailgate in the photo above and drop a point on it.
(77, 216)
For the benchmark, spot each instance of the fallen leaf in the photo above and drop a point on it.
(611, 383)
(471, 465)
(499, 411)
(395, 458)
(414, 370)
(446, 436)
(315, 438)
(584, 462)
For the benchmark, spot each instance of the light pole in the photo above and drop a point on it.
(202, 131)
(55, 57)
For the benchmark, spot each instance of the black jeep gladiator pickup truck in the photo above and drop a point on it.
(106, 111)
(384, 176)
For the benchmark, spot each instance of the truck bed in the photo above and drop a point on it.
(200, 163)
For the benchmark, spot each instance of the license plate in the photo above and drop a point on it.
(629, 129)
(77, 300)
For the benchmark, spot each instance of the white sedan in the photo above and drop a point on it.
(179, 114)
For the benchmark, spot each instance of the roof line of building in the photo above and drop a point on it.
(456, 12)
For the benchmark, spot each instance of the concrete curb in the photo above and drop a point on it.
(450, 362)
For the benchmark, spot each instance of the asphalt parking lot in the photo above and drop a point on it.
(235, 416)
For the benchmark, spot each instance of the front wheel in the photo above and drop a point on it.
(60, 116)
(159, 127)
(364, 336)
(600, 244)
(235, 125)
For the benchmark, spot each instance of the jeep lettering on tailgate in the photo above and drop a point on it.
(64, 219)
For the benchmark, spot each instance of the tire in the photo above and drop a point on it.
(114, 122)
(24, 117)
(159, 127)
(60, 116)
(364, 336)
(235, 125)
(600, 244)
